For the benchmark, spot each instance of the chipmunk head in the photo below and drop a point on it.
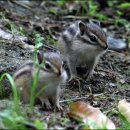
(52, 62)
(91, 33)
(88, 33)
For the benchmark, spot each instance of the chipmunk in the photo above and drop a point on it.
(51, 75)
(82, 44)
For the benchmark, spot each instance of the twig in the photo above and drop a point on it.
(109, 71)
(117, 53)
(74, 99)
(21, 4)
(96, 95)
(50, 32)
(20, 40)
(26, 46)
(74, 17)
(79, 98)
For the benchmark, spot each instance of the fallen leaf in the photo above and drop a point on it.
(124, 109)
(91, 116)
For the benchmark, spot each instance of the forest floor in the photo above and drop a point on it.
(104, 90)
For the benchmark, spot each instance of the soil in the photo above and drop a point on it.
(109, 83)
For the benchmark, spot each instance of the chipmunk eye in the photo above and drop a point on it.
(47, 66)
(63, 64)
(93, 38)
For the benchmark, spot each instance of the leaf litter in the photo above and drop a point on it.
(110, 82)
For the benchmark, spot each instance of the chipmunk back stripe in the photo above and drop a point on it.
(70, 33)
(30, 64)
(25, 71)
(65, 38)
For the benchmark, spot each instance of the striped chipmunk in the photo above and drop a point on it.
(82, 44)
(51, 75)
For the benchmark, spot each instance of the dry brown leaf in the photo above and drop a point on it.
(93, 117)
(124, 109)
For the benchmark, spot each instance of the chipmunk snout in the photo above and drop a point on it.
(60, 71)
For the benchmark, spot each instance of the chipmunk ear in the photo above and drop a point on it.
(82, 28)
(39, 57)
(97, 22)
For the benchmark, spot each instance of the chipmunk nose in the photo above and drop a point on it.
(60, 71)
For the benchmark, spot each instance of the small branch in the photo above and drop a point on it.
(79, 98)
(16, 39)
(74, 99)
(74, 17)
(21, 4)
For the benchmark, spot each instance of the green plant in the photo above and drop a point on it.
(22, 31)
(51, 40)
(33, 88)
(9, 119)
(16, 30)
(14, 118)
(92, 8)
(121, 21)
(112, 2)
(16, 97)
(53, 11)
(61, 3)
(93, 11)
(38, 43)
(124, 123)
(13, 28)
(85, 7)
(40, 125)
(124, 5)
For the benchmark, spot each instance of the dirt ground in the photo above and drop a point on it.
(110, 82)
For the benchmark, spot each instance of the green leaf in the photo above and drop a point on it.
(40, 125)
(124, 122)
(124, 5)
(38, 40)
(14, 89)
(9, 119)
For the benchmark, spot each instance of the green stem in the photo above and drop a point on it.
(14, 89)
(32, 96)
